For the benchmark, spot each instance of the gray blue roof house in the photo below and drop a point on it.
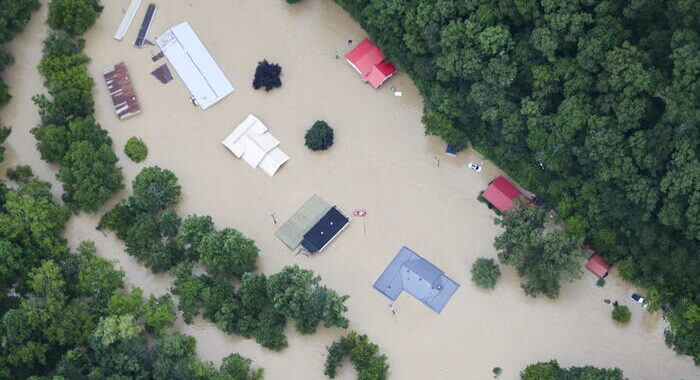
(417, 276)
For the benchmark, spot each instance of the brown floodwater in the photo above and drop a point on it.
(381, 162)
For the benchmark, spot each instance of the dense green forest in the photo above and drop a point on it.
(591, 104)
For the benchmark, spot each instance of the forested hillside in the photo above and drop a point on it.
(591, 104)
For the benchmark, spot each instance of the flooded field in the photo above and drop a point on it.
(381, 162)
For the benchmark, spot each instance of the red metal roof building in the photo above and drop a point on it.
(369, 61)
(501, 193)
(598, 265)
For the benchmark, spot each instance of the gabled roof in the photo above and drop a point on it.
(501, 193)
(369, 61)
(380, 73)
(598, 265)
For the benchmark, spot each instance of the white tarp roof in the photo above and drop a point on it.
(251, 141)
(195, 66)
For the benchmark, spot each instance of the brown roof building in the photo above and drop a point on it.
(122, 92)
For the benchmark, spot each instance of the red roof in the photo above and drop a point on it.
(369, 61)
(598, 265)
(501, 193)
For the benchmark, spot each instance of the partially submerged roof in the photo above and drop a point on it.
(325, 230)
(417, 276)
(598, 265)
(252, 142)
(501, 193)
(369, 61)
(195, 66)
(292, 231)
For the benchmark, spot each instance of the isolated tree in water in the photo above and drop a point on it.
(319, 136)
(267, 75)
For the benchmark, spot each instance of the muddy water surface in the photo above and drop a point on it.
(381, 162)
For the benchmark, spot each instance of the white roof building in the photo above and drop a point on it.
(195, 66)
(252, 142)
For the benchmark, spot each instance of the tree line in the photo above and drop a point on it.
(591, 104)
(66, 314)
(214, 269)
(68, 133)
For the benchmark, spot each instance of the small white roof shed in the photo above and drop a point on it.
(252, 142)
(195, 66)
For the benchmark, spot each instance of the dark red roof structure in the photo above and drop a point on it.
(598, 265)
(369, 61)
(122, 92)
(501, 193)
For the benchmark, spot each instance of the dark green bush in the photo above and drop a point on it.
(319, 136)
(267, 75)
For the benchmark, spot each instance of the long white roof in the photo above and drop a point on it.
(195, 66)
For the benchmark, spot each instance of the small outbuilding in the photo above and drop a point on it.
(598, 265)
(501, 193)
(369, 62)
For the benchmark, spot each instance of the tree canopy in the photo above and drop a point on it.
(541, 257)
(590, 104)
(73, 16)
(68, 133)
(552, 371)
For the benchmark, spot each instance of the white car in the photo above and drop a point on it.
(474, 167)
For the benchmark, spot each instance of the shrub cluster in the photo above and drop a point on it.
(267, 75)
(68, 133)
(621, 314)
(229, 293)
(73, 16)
(136, 149)
(364, 355)
(485, 273)
(552, 371)
(319, 136)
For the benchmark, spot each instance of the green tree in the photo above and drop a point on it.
(319, 136)
(237, 367)
(552, 371)
(485, 273)
(90, 176)
(194, 228)
(135, 149)
(159, 313)
(73, 16)
(172, 357)
(542, 258)
(154, 189)
(20, 174)
(189, 288)
(228, 253)
(621, 314)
